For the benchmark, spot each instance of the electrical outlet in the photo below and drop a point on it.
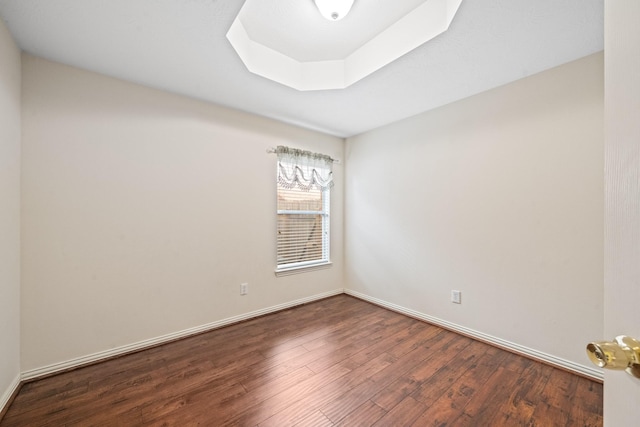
(456, 297)
(244, 288)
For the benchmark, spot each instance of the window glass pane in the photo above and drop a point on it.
(297, 200)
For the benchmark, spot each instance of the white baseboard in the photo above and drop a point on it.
(586, 371)
(119, 351)
(4, 399)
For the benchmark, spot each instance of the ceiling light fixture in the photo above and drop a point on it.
(334, 10)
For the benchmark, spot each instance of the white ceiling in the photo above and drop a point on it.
(180, 46)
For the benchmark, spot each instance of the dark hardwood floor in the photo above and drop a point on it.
(335, 362)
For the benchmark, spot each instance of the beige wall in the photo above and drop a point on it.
(9, 214)
(143, 212)
(500, 196)
(622, 200)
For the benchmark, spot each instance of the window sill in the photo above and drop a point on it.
(288, 271)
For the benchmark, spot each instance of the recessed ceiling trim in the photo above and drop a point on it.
(422, 24)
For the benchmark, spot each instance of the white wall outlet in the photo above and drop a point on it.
(244, 288)
(456, 297)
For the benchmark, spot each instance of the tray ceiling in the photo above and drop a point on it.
(355, 56)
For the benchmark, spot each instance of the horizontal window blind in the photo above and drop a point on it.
(303, 226)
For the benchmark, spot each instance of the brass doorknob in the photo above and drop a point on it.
(621, 354)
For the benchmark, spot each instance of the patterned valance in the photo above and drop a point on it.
(303, 169)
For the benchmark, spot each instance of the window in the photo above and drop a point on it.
(303, 189)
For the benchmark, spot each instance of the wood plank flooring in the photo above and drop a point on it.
(335, 362)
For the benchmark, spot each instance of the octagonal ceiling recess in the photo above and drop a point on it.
(291, 43)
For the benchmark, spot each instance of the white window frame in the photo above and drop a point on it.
(325, 260)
